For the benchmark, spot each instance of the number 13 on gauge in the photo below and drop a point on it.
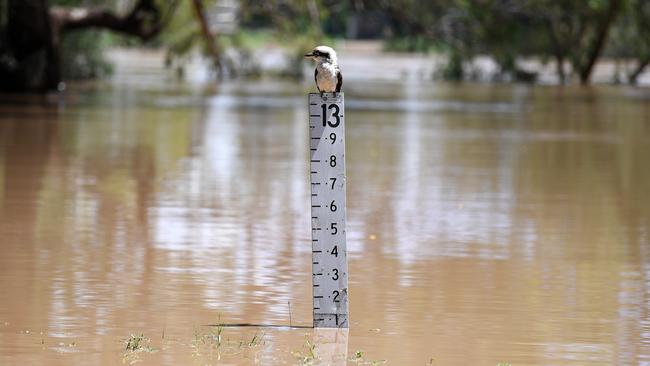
(327, 172)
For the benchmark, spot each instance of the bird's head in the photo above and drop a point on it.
(322, 54)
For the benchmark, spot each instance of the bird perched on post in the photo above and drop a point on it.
(327, 74)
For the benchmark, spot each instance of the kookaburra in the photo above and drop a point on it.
(327, 74)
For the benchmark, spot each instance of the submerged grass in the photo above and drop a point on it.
(257, 340)
(307, 355)
(359, 359)
(214, 345)
(135, 346)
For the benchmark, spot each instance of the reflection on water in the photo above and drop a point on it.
(486, 224)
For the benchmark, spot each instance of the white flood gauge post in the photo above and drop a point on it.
(327, 172)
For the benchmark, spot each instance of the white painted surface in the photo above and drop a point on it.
(327, 171)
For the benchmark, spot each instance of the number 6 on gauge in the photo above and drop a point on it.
(327, 172)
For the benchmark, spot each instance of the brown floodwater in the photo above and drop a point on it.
(486, 224)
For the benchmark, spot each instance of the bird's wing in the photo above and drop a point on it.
(316, 79)
(339, 83)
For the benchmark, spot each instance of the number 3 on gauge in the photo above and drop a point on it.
(336, 115)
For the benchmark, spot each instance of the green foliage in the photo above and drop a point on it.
(182, 33)
(83, 55)
(295, 24)
(82, 52)
(631, 35)
(454, 69)
(506, 30)
(417, 43)
(572, 30)
(183, 36)
(286, 16)
(287, 25)
(4, 16)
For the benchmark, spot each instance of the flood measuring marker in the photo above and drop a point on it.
(327, 172)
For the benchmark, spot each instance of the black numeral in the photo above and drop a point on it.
(332, 206)
(334, 228)
(333, 182)
(336, 296)
(335, 114)
(333, 161)
(336, 274)
(335, 251)
(336, 109)
(333, 137)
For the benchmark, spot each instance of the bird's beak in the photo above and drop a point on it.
(309, 55)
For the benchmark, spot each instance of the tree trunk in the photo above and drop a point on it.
(561, 74)
(558, 50)
(633, 77)
(30, 43)
(596, 47)
(27, 55)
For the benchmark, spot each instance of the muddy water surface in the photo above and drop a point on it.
(486, 224)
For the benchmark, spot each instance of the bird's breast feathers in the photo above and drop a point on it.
(327, 77)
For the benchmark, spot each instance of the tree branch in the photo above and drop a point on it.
(208, 37)
(143, 21)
